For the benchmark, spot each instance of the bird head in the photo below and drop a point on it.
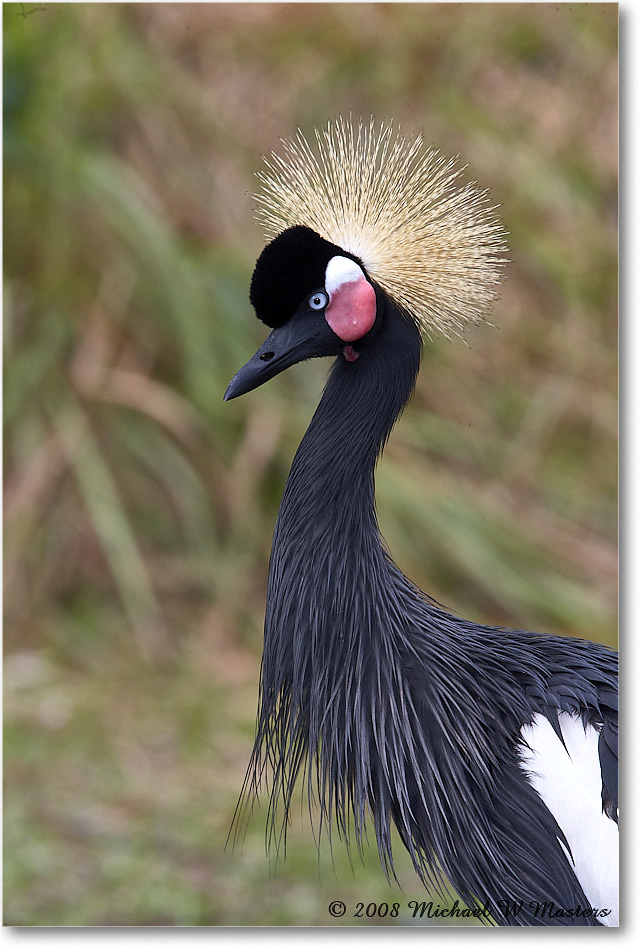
(317, 298)
(370, 214)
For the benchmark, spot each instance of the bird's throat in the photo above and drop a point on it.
(333, 470)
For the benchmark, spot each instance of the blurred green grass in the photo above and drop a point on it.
(139, 508)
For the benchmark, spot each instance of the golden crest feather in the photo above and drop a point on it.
(431, 242)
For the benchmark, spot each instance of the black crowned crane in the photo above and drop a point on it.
(493, 751)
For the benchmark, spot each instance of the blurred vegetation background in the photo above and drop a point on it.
(139, 508)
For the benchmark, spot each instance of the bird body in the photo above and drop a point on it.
(471, 740)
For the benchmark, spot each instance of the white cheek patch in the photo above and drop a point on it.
(341, 270)
(353, 303)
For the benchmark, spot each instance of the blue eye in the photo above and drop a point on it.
(318, 300)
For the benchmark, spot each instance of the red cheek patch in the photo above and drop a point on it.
(352, 309)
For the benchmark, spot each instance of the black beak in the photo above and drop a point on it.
(304, 336)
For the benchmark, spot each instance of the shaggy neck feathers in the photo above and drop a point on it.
(328, 574)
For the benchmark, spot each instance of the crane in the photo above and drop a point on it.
(493, 751)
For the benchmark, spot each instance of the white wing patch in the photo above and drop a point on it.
(569, 781)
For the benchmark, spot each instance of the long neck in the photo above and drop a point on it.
(331, 484)
(329, 574)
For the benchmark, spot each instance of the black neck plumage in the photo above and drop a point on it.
(326, 627)
(333, 469)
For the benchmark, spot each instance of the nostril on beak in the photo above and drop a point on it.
(265, 357)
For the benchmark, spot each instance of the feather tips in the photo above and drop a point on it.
(431, 242)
